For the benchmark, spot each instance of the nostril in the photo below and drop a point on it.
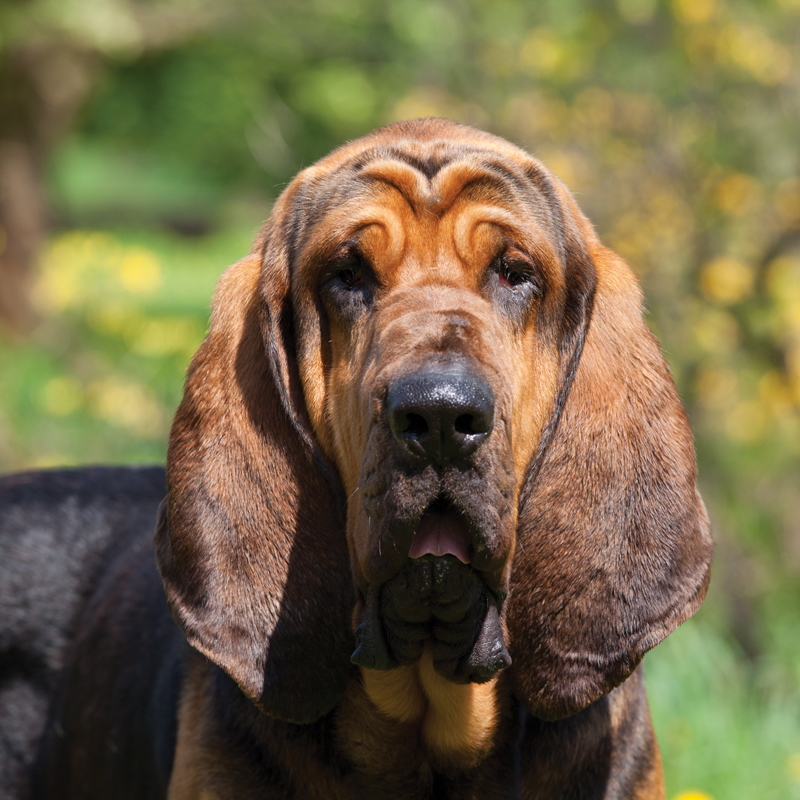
(416, 425)
(441, 412)
(464, 424)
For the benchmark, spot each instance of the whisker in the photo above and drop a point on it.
(357, 489)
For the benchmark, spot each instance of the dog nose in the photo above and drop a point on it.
(441, 412)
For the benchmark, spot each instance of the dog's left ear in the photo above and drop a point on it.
(613, 547)
(251, 543)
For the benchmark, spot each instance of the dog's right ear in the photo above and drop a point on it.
(251, 545)
(614, 547)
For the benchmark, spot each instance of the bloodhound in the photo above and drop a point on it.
(431, 497)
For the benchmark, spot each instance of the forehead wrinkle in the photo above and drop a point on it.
(394, 233)
(530, 192)
(324, 241)
(527, 183)
(530, 187)
(411, 184)
(426, 157)
(456, 177)
(430, 189)
(467, 222)
(318, 189)
(335, 205)
(535, 243)
(314, 193)
(540, 178)
(428, 164)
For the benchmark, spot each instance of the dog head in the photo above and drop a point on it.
(428, 414)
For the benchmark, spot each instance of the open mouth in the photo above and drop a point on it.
(437, 599)
(441, 531)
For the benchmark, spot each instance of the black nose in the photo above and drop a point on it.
(441, 412)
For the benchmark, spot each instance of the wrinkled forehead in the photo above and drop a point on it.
(424, 181)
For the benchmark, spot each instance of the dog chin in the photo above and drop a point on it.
(434, 600)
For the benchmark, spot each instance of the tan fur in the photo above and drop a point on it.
(455, 722)
(186, 782)
(461, 720)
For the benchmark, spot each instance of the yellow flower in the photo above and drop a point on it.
(62, 396)
(693, 794)
(160, 337)
(543, 52)
(793, 767)
(750, 48)
(126, 404)
(139, 271)
(738, 194)
(717, 332)
(727, 280)
(694, 11)
(747, 422)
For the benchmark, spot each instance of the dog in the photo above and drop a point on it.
(430, 497)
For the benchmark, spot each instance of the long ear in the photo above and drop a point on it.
(252, 546)
(613, 545)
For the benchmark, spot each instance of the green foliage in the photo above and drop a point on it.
(103, 374)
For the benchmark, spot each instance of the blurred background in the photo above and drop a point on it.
(142, 143)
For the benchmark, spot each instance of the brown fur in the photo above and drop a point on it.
(290, 505)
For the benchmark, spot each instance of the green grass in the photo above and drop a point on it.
(722, 731)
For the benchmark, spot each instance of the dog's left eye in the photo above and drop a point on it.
(514, 274)
(509, 276)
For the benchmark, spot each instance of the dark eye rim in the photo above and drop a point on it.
(515, 274)
(347, 277)
(351, 277)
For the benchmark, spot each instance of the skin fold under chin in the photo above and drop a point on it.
(439, 602)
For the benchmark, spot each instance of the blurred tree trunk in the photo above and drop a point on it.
(22, 224)
(47, 68)
(42, 86)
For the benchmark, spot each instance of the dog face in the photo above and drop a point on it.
(428, 410)
(440, 295)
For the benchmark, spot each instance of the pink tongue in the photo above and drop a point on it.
(439, 535)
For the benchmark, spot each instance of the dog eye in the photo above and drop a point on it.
(347, 283)
(509, 276)
(351, 277)
(513, 274)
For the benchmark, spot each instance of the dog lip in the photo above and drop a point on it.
(441, 532)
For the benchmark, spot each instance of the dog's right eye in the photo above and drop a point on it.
(351, 277)
(349, 284)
